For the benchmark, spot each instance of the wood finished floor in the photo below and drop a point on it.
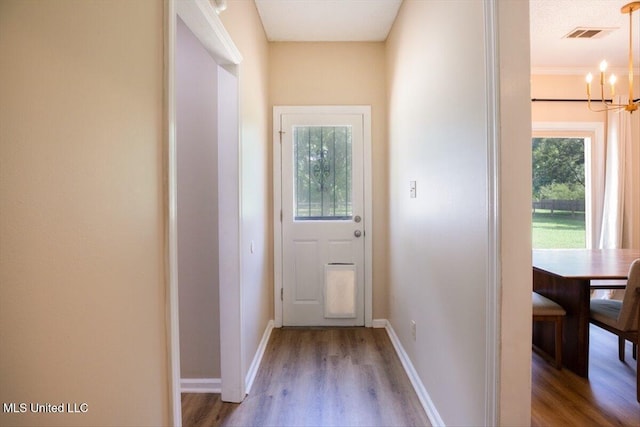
(319, 377)
(606, 398)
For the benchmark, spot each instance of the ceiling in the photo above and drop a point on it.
(327, 20)
(550, 21)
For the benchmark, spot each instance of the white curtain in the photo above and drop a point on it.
(618, 139)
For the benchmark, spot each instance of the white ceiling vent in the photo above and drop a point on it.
(588, 33)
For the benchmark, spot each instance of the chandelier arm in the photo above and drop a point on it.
(630, 56)
(608, 107)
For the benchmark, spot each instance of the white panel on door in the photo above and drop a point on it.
(307, 274)
(340, 251)
(340, 291)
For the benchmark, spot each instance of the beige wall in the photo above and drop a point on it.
(342, 74)
(243, 23)
(574, 87)
(560, 86)
(82, 283)
(438, 242)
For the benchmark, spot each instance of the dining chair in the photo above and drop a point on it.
(622, 317)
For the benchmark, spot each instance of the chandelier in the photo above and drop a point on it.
(610, 105)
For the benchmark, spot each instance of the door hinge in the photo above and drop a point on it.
(280, 215)
(281, 132)
(281, 294)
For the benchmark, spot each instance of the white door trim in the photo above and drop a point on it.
(365, 111)
(493, 356)
(202, 20)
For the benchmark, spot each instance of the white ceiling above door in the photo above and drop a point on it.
(551, 21)
(327, 20)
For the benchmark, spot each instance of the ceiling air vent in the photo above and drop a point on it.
(588, 33)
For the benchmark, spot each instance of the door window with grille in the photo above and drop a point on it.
(322, 159)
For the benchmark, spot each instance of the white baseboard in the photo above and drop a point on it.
(379, 323)
(255, 364)
(200, 385)
(214, 385)
(425, 400)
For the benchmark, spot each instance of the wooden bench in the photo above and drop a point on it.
(545, 310)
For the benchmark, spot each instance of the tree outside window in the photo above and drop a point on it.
(558, 193)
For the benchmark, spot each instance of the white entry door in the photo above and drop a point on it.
(323, 223)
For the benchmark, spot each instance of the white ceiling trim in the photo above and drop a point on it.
(581, 71)
(203, 21)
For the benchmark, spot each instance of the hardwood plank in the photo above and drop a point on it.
(204, 409)
(319, 377)
(606, 398)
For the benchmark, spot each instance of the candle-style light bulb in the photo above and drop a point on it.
(612, 83)
(603, 66)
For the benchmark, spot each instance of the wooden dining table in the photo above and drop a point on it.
(566, 276)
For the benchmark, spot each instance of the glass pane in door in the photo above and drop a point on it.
(322, 157)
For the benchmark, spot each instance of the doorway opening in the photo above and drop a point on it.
(201, 76)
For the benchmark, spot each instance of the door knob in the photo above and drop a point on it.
(357, 218)
(357, 233)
